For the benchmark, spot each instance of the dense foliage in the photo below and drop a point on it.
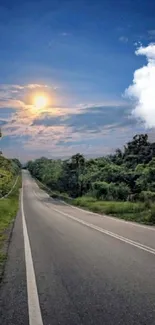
(9, 169)
(128, 174)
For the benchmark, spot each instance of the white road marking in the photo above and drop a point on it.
(115, 219)
(131, 223)
(109, 233)
(35, 317)
(102, 230)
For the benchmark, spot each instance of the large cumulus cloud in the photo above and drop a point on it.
(142, 90)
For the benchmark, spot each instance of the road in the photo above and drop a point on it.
(71, 267)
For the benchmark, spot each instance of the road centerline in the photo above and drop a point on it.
(35, 317)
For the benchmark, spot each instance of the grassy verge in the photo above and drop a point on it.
(137, 212)
(8, 211)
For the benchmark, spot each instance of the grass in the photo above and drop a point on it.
(8, 211)
(125, 210)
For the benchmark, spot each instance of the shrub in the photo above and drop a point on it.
(152, 215)
(100, 189)
(119, 192)
(146, 196)
(105, 191)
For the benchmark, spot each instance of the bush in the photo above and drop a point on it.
(151, 187)
(100, 189)
(119, 192)
(105, 191)
(152, 215)
(146, 196)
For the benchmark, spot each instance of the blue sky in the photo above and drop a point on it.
(81, 53)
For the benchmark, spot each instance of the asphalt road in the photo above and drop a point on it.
(71, 267)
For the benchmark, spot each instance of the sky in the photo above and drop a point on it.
(94, 64)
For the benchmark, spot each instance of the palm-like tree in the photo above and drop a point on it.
(78, 163)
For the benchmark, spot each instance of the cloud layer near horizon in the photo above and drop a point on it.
(59, 130)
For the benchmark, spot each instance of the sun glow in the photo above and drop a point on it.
(40, 101)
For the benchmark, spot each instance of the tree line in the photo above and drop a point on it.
(128, 174)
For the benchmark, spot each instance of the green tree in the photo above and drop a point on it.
(120, 176)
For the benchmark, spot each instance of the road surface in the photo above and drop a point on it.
(71, 267)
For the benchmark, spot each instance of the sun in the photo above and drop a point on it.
(40, 101)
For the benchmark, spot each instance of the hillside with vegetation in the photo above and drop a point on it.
(122, 184)
(10, 182)
(9, 169)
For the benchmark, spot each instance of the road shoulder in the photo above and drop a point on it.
(13, 291)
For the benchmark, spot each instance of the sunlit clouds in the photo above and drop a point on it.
(36, 123)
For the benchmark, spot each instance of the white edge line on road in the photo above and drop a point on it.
(104, 231)
(131, 223)
(109, 233)
(35, 317)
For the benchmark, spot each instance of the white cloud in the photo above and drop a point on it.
(34, 86)
(142, 90)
